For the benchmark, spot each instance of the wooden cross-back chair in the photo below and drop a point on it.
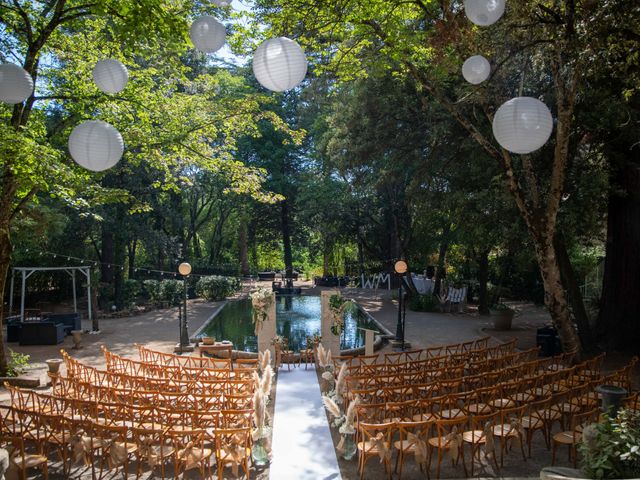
(18, 455)
(480, 433)
(449, 439)
(572, 437)
(509, 428)
(232, 449)
(374, 441)
(413, 437)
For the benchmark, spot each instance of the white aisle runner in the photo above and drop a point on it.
(302, 448)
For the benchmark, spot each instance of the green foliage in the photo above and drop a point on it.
(423, 303)
(18, 362)
(131, 290)
(611, 448)
(501, 307)
(216, 287)
(172, 291)
(169, 291)
(151, 289)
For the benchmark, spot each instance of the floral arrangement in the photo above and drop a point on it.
(261, 301)
(280, 342)
(337, 306)
(314, 340)
(323, 357)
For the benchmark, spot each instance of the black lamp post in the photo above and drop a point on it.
(184, 269)
(401, 268)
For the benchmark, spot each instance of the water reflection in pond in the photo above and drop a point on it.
(297, 317)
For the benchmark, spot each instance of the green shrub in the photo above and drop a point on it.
(611, 448)
(172, 291)
(151, 290)
(216, 287)
(423, 303)
(169, 291)
(18, 362)
(131, 290)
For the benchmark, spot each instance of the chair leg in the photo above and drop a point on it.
(553, 453)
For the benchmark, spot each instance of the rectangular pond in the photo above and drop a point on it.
(297, 317)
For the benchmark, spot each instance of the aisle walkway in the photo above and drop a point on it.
(302, 445)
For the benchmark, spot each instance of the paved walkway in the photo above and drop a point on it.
(302, 448)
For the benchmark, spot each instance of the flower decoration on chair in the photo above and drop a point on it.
(314, 340)
(280, 342)
(337, 306)
(261, 301)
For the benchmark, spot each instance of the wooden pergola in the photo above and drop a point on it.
(28, 271)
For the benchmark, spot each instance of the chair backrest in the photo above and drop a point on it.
(450, 429)
(369, 431)
(236, 418)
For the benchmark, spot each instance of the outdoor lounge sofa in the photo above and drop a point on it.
(71, 321)
(41, 333)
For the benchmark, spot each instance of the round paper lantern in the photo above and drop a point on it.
(476, 69)
(484, 12)
(279, 64)
(221, 3)
(208, 34)
(16, 85)
(522, 125)
(110, 75)
(96, 145)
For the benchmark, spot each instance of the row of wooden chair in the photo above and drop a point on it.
(115, 444)
(516, 367)
(432, 352)
(370, 365)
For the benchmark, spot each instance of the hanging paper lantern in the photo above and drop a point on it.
(16, 85)
(96, 145)
(207, 34)
(110, 75)
(522, 125)
(484, 12)
(476, 69)
(279, 64)
(221, 3)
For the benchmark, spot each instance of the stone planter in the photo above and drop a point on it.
(54, 364)
(560, 473)
(612, 396)
(208, 340)
(502, 319)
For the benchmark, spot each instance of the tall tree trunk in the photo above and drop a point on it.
(575, 297)
(442, 256)
(483, 279)
(619, 318)
(555, 298)
(326, 253)
(243, 247)
(5, 261)
(286, 241)
(197, 250)
(107, 256)
(118, 271)
(131, 252)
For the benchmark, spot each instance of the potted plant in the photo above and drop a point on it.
(502, 315)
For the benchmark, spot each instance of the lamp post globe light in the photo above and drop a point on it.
(184, 269)
(400, 268)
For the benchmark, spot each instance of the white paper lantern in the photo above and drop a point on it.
(96, 145)
(522, 125)
(207, 34)
(110, 75)
(279, 64)
(476, 69)
(484, 12)
(16, 85)
(221, 3)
